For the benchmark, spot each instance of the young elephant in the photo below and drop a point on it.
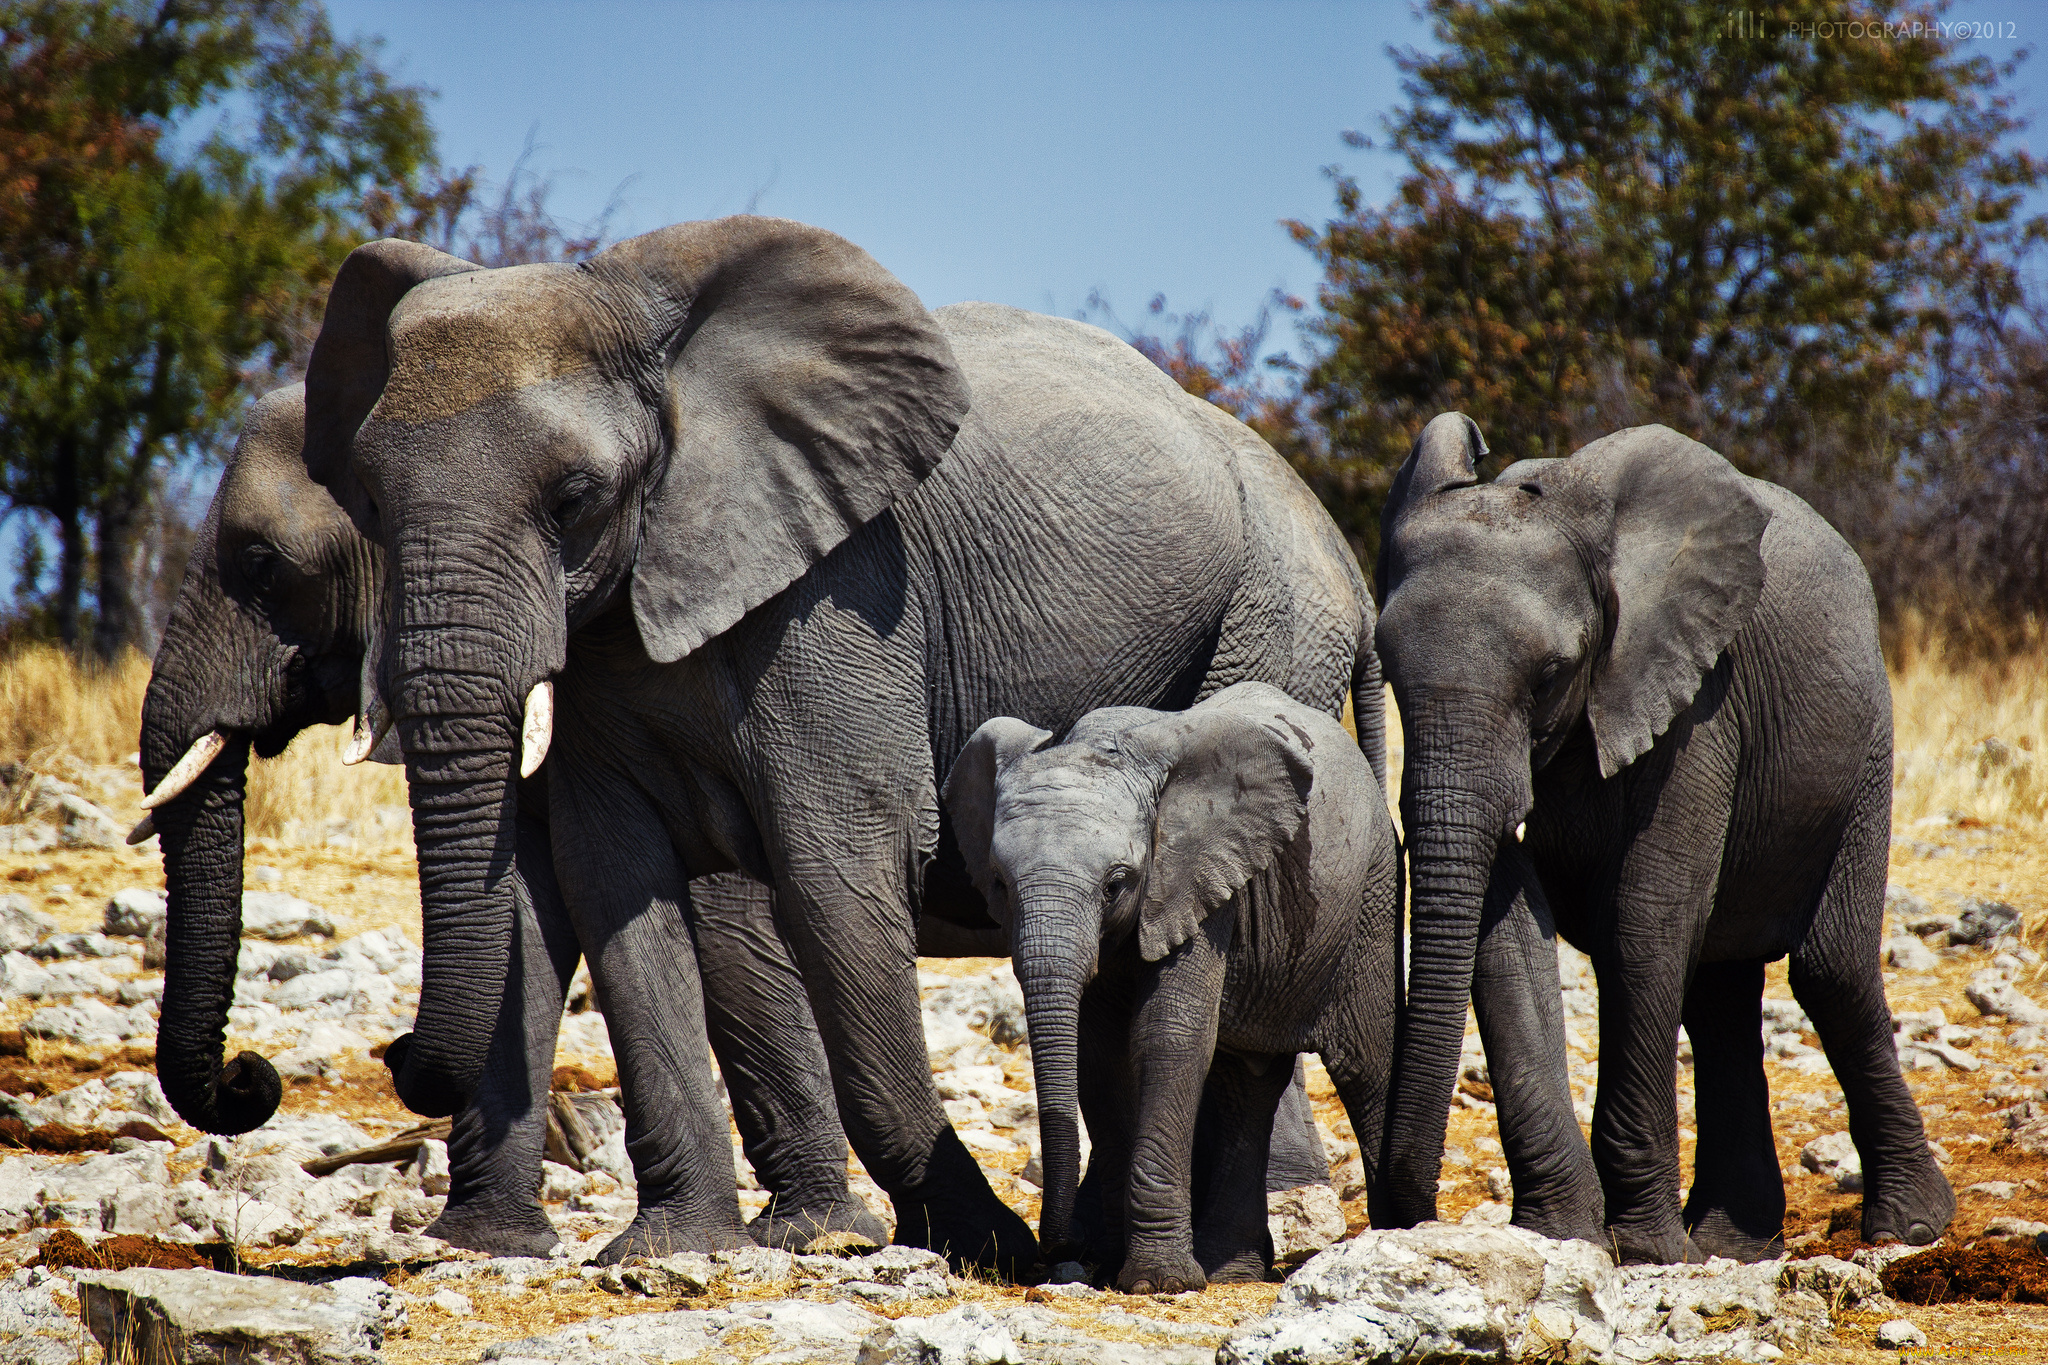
(1213, 887)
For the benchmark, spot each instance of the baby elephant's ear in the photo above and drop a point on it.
(1236, 791)
(970, 793)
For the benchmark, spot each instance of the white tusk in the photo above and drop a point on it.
(1520, 830)
(369, 732)
(539, 730)
(186, 770)
(144, 828)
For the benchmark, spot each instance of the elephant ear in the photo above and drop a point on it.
(1235, 793)
(805, 391)
(1686, 568)
(351, 357)
(970, 793)
(1446, 455)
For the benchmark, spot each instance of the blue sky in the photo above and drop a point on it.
(1021, 153)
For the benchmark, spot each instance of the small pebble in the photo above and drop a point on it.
(448, 1301)
(1898, 1335)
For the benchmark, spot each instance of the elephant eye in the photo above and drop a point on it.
(1115, 886)
(258, 564)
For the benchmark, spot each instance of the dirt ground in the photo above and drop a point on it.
(364, 891)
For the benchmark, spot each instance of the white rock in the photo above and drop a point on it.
(275, 915)
(429, 1170)
(1303, 1221)
(135, 913)
(1900, 1335)
(1909, 954)
(449, 1301)
(1993, 994)
(201, 1315)
(90, 1023)
(1834, 1156)
(21, 924)
(967, 1335)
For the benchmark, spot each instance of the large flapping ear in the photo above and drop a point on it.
(970, 793)
(806, 391)
(351, 357)
(1686, 570)
(1445, 455)
(1236, 791)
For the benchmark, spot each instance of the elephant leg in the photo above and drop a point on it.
(1105, 1085)
(1737, 1205)
(627, 895)
(1835, 977)
(774, 1065)
(1295, 1156)
(495, 1144)
(1241, 1111)
(843, 864)
(1173, 1035)
(1520, 1008)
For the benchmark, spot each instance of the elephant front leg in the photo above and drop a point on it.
(495, 1144)
(1520, 1007)
(1240, 1104)
(774, 1066)
(1173, 1039)
(626, 893)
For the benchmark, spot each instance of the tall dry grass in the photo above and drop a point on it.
(1972, 740)
(1970, 735)
(81, 724)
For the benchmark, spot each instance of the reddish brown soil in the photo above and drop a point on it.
(120, 1252)
(2011, 1270)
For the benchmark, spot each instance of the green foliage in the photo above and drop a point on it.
(1621, 211)
(178, 183)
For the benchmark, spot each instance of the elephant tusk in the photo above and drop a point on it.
(539, 730)
(144, 828)
(1520, 830)
(372, 724)
(186, 770)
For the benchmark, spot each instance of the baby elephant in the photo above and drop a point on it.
(1217, 886)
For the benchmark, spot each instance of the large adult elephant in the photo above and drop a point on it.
(1644, 704)
(268, 637)
(678, 503)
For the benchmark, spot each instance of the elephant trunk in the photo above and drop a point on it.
(201, 835)
(1055, 957)
(1459, 799)
(457, 689)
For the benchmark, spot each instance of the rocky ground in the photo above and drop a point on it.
(329, 971)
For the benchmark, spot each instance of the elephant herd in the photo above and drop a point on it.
(748, 630)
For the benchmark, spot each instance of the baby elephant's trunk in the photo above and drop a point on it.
(1054, 962)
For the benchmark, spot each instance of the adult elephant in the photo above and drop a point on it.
(268, 637)
(1644, 704)
(679, 503)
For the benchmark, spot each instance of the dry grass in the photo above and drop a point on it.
(1971, 737)
(65, 718)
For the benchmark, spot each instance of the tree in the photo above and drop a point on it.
(178, 183)
(1760, 229)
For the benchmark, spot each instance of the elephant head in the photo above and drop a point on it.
(679, 428)
(1583, 597)
(266, 638)
(1139, 821)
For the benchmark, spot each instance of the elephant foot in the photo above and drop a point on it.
(656, 1232)
(1561, 1225)
(1170, 1273)
(956, 1214)
(1248, 1267)
(1913, 1206)
(1741, 1234)
(497, 1231)
(797, 1227)
(1644, 1246)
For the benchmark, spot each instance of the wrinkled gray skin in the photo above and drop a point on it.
(1671, 673)
(1219, 885)
(267, 637)
(692, 482)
